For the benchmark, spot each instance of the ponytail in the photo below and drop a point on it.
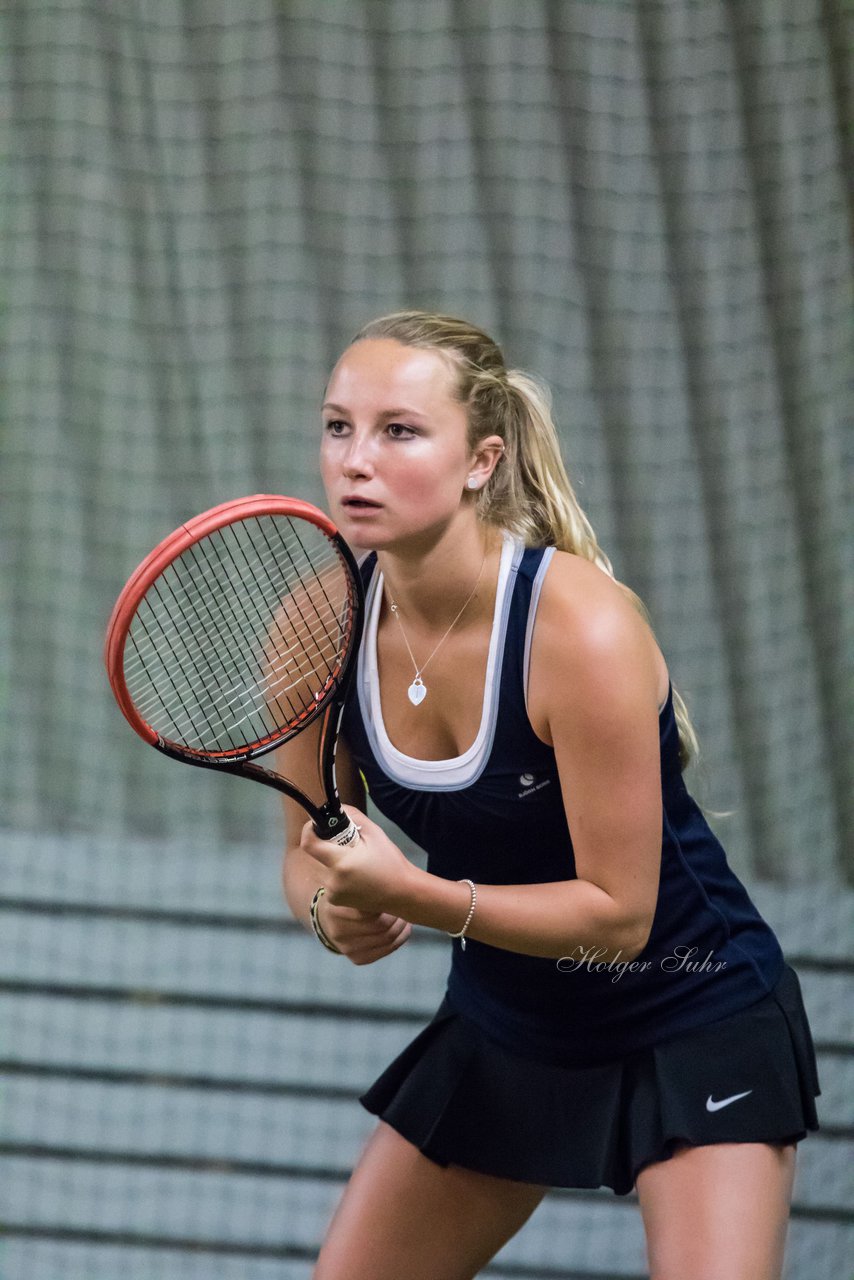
(529, 493)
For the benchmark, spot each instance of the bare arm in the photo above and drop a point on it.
(594, 671)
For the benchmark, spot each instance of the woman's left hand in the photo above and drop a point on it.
(370, 875)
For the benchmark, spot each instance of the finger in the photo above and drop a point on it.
(384, 943)
(356, 913)
(399, 927)
(354, 934)
(393, 925)
(366, 929)
(321, 850)
(384, 937)
(369, 955)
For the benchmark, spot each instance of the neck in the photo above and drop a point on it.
(429, 583)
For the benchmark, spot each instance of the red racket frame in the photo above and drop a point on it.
(237, 760)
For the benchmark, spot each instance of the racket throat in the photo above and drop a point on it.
(330, 820)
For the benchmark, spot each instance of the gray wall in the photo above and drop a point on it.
(199, 203)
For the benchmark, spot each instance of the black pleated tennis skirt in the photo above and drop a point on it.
(463, 1099)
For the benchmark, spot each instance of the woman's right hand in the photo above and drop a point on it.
(362, 936)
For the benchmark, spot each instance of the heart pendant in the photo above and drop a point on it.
(417, 692)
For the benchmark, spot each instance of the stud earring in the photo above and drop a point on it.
(472, 483)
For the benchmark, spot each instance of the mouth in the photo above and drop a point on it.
(354, 504)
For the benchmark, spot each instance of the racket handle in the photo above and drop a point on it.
(334, 825)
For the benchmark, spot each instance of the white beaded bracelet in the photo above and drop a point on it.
(462, 933)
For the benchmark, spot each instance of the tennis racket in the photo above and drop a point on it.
(237, 632)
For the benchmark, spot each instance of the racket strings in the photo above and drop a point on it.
(176, 630)
(281, 585)
(241, 635)
(195, 679)
(288, 674)
(293, 658)
(234, 706)
(170, 676)
(237, 631)
(315, 623)
(276, 687)
(187, 610)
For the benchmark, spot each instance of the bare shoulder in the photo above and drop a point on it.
(591, 648)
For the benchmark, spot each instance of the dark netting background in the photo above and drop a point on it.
(199, 204)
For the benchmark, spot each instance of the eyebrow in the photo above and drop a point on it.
(386, 413)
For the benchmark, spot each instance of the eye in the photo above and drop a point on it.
(399, 431)
(335, 427)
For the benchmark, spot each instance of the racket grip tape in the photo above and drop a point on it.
(340, 830)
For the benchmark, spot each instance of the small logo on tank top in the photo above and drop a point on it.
(528, 783)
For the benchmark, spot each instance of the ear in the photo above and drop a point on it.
(483, 462)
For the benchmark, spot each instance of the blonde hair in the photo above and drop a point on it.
(529, 492)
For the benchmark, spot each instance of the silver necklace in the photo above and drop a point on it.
(417, 691)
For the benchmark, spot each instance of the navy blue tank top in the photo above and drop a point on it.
(496, 816)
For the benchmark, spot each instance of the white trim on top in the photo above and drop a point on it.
(458, 771)
(536, 588)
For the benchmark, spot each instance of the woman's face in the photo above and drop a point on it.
(395, 455)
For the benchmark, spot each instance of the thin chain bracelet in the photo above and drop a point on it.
(317, 926)
(462, 933)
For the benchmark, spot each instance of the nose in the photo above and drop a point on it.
(358, 458)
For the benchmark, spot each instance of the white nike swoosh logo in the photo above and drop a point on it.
(724, 1102)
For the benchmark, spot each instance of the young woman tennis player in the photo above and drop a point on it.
(618, 1014)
